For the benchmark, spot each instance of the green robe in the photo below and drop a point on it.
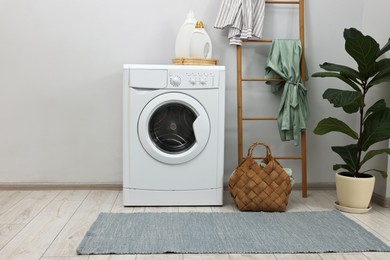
(284, 62)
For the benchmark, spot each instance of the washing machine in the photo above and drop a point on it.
(173, 135)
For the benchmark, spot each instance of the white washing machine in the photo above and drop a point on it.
(173, 135)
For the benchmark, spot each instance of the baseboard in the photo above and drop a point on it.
(310, 186)
(118, 186)
(316, 186)
(380, 200)
(60, 186)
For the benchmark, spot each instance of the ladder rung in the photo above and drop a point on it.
(259, 118)
(282, 2)
(279, 157)
(257, 40)
(262, 79)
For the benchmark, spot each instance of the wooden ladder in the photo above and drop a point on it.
(240, 79)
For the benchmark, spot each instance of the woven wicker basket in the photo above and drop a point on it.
(256, 188)
(194, 61)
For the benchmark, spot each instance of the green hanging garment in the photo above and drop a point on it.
(284, 62)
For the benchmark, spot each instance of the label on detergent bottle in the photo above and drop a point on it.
(200, 46)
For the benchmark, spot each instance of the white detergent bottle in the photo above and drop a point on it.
(183, 38)
(200, 46)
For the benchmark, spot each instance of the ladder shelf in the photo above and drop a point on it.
(240, 79)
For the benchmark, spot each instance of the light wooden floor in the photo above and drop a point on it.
(50, 224)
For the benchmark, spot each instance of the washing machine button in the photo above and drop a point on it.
(175, 81)
(192, 81)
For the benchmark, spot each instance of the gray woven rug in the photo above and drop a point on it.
(291, 232)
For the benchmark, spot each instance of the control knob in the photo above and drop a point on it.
(175, 81)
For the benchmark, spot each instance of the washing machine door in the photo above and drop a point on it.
(174, 128)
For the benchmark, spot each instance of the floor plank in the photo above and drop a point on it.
(162, 209)
(7, 232)
(348, 256)
(160, 257)
(70, 237)
(66, 258)
(10, 198)
(26, 209)
(297, 257)
(252, 257)
(377, 255)
(195, 209)
(112, 257)
(315, 201)
(205, 257)
(37, 235)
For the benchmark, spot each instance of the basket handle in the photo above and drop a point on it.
(253, 146)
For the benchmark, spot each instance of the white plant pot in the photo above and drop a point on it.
(354, 194)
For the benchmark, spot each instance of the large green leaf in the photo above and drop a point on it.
(384, 49)
(382, 173)
(350, 101)
(337, 75)
(332, 124)
(381, 77)
(378, 106)
(383, 64)
(349, 155)
(376, 128)
(363, 49)
(343, 70)
(373, 153)
(342, 166)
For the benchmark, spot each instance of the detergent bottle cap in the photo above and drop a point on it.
(199, 24)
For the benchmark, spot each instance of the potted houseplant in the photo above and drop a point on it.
(373, 120)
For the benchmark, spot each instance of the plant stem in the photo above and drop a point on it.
(361, 121)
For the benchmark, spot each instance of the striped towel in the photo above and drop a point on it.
(244, 18)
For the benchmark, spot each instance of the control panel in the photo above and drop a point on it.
(193, 79)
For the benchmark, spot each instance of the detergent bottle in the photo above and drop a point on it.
(200, 46)
(183, 38)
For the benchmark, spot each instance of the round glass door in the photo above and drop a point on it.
(173, 128)
(170, 128)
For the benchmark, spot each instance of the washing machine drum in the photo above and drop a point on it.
(174, 128)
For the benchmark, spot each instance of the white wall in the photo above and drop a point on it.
(61, 74)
